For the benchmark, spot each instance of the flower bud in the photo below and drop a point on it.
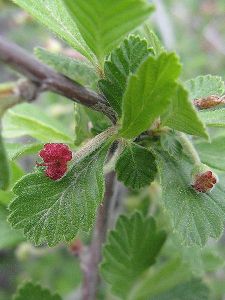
(203, 179)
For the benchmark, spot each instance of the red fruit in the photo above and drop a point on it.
(204, 182)
(55, 157)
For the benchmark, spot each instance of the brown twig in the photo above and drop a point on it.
(46, 79)
(91, 261)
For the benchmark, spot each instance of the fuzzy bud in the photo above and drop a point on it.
(203, 179)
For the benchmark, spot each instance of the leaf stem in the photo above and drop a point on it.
(189, 148)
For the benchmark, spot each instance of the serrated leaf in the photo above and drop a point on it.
(203, 86)
(213, 118)
(183, 116)
(80, 71)
(53, 211)
(29, 119)
(54, 15)
(104, 23)
(149, 93)
(16, 150)
(159, 280)
(194, 216)
(130, 250)
(194, 289)
(31, 291)
(212, 153)
(122, 62)
(136, 167)
(4, 166)
(152, 39)
(170, 144)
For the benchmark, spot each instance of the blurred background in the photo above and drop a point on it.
(193, 28)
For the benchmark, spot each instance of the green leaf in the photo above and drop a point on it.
(8, 237)
(104, 23)
(136, 166)
(31, 291)
(152, 39)
(81, 124)
(15, 150)
(170, 144)
(213, 118)
(122, 62)
(80, 71)
(183, 116)
(53, 211)
(212, 153)
(29, 119)
(203, 86)
(158, 280)
(149, 93)
(193, 289)
(194, 216)
(130, 250)
(55, 16)
(4, 166)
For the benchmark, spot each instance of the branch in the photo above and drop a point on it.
(90, 263)
(46, 79)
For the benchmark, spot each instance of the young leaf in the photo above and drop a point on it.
(122, 62)
(195, 216)
(183, 116)
(31, 291)
(149, 93)
(4, 167)
(55, 16)
(170, 144)
(213, 118)
(28, 119)
(152, 39)
(194, 289)
(136, 167)
(80, 71)
(212, 153)
(104, 23)
(130, 250)
(53, 211)
(203, 86)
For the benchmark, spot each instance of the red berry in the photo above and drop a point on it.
(55, 157)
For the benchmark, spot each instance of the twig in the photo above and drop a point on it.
(90, 264)
(46, 79)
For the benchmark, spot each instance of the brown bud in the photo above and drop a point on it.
(208, 102)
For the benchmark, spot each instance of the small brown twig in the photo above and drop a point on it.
(46, 79)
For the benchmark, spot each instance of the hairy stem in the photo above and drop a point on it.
(90, 266)
(189, 149)
(46, 79)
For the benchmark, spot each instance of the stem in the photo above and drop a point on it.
(91, 279)
(189, 149)
(46, 79)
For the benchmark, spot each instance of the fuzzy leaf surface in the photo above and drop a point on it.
(78, 70)
(122, 62)
(170, 144)
(212, 153)
(53, 211)
(183, 116)
(136, 167)
(130, 250)
(29, 119)
(213, 118)
(195, 217)
(31, 291)
(203, 86)
(104, 23)
(54, 15)
(148, 94)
